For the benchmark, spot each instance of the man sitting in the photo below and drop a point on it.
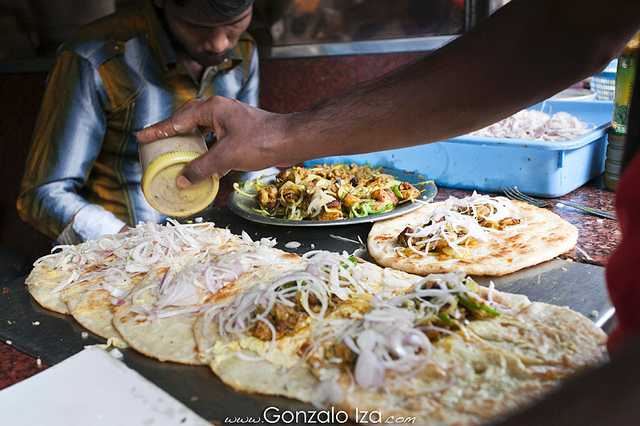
(116, 76)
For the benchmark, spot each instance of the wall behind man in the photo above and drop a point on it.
(289, 85)
(30, 28)
(21, 97)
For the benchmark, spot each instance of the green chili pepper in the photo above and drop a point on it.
(488, 309)
(362, 210)
(396, 190)
(385, 208)
(446, 319)
(475, 306)
(352, 259)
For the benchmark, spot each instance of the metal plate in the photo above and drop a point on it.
(244, 206)
(57, 337)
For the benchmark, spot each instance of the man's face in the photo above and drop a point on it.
(205, 37)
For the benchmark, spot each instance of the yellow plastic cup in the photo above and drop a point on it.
(162, 162)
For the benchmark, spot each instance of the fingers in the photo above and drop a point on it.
(160, 130)
(185, 120)
(201, 168)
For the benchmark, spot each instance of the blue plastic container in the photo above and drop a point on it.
(547, 169)
(604, 82)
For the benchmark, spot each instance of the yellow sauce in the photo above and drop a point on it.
(162, 193)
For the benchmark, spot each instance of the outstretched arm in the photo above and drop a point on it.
(526, 52)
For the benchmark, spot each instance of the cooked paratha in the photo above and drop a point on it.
(326, 328)
(66, 266)
(343, 273)
(92, 306)
(157, 320)
(135, 251)
(42, 284)
(477, 235)
(444, 351)
(91, 279)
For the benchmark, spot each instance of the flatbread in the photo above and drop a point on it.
(498, 365)
(281, 373)
(494, 373)
(93, 310)
(561, 338)
(495, 363)
(165, 339)
(93, 307)
(58, 278)
(41, 283)
(171, 338)
(202, 336)
(372, 280)
(542, 236)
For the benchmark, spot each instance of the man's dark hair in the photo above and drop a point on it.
(225, 8)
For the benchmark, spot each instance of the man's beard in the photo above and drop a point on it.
(208, 60)
(203, 59)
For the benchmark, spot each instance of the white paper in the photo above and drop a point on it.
(91, 388)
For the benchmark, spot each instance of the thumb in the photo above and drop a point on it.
(208, 164)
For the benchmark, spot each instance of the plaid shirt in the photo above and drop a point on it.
(117, 76)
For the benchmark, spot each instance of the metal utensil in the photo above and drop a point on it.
(515, 194)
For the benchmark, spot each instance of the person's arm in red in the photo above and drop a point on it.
(623, 279)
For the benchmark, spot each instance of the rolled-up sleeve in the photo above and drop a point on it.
(67, 139)
(250, 91)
